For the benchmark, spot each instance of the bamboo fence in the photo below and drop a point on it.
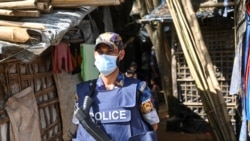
(201, 68)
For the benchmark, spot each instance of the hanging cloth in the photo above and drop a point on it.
(62, 58)
(247, 86)
(245, 96)
(245, 68)
(24, 118)
(76, 57)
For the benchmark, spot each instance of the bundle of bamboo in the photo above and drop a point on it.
(25, 8)
(201, 68)
(33, 8)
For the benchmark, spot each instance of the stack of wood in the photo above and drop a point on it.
(24, 8)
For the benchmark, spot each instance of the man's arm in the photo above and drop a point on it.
(147, 108)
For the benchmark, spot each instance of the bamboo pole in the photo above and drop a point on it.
(5, 12)
(217, 4)
(29, 4)
(182, 37)
(203, 50)
(26, 13)
(204, 84)
(48, 1)
(20, 13)
(23, 24)
(14, 34)
(9, 0)
(213, 83)
(77, 3)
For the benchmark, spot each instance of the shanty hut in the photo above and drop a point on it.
(44, 53)
(42, 61)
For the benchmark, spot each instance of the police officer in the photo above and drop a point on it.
(122, 106)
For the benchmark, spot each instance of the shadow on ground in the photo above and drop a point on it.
(184, 125)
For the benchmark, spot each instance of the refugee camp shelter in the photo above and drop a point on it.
(33, 74)
(194, 80)
(32, 95)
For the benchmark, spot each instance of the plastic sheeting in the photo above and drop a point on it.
(57, 24)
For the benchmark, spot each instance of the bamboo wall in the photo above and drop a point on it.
(16, 76)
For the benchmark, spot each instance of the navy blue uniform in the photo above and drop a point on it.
(117, 111)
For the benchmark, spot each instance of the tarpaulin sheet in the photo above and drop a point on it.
(57, 24)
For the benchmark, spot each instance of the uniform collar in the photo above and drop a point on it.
(118, 83)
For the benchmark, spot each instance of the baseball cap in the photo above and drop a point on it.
(113, 40)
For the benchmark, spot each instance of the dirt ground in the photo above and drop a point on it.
(164, 135)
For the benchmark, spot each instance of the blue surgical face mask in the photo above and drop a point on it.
(106, 64)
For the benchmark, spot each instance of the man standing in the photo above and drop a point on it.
(122, 107)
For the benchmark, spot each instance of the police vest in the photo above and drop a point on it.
(117, 113)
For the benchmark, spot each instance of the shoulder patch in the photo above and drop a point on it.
(146, 107)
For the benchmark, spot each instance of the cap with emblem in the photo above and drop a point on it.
(113, 40)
